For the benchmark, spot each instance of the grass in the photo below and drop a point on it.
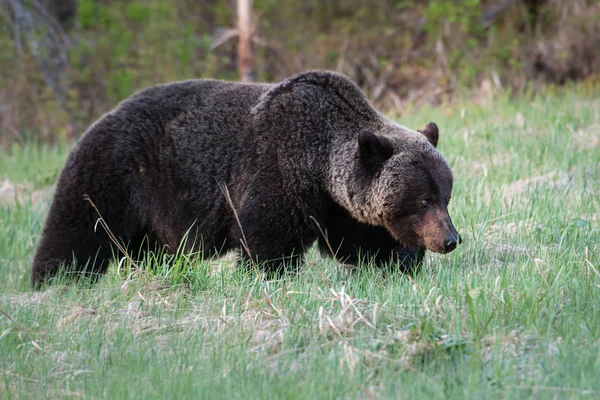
(514, 312)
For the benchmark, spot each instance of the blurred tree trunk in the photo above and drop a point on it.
(245, 30)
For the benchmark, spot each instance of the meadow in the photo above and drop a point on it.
(514, 312)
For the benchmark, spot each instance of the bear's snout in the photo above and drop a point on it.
(450, 236)
(439, 233)
(452, 241)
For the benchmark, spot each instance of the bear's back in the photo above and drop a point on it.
(211, 98)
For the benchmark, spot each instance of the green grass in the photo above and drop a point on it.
(514, 312)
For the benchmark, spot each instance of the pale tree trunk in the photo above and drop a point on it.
(244, 26)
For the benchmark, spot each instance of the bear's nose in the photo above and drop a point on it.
(450, 245)
(451, 242)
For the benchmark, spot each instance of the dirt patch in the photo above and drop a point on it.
(11, 193)
(476, 168)
(25, 299)
(77, 312)
(512, 228)
(227, 262)
(523, 186)
(588, 138)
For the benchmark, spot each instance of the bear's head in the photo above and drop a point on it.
(401, 182)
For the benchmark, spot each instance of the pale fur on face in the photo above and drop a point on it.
(364, 195)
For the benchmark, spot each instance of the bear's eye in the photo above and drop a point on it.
(426, 203)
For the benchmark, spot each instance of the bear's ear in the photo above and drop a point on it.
(431, 132)
(373, 150)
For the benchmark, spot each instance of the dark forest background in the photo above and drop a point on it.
(65, 62)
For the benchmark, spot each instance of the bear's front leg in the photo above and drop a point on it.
(355, 243)
(273, 241)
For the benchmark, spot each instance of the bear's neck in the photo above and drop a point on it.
(355, 198)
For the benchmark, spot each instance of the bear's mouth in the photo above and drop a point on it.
(438, 249)
(410, 240)
(413, 241)
(434, 246)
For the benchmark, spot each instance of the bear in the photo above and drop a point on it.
(265, 168)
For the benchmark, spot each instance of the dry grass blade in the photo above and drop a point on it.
(36, 346)
(6, 332)
(326, 237)
(77, 312)
(164, 301)
(11, 319)
(267, 299)
(333, 327)
(588, 263)
(111, 236)
(360, 315)
(243, 240)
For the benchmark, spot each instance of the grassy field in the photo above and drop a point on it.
(514, 312)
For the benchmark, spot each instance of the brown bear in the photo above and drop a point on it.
(269, 168)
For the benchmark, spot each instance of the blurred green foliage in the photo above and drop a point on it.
(402, 52)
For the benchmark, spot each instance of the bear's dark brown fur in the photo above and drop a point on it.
(298, 158)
